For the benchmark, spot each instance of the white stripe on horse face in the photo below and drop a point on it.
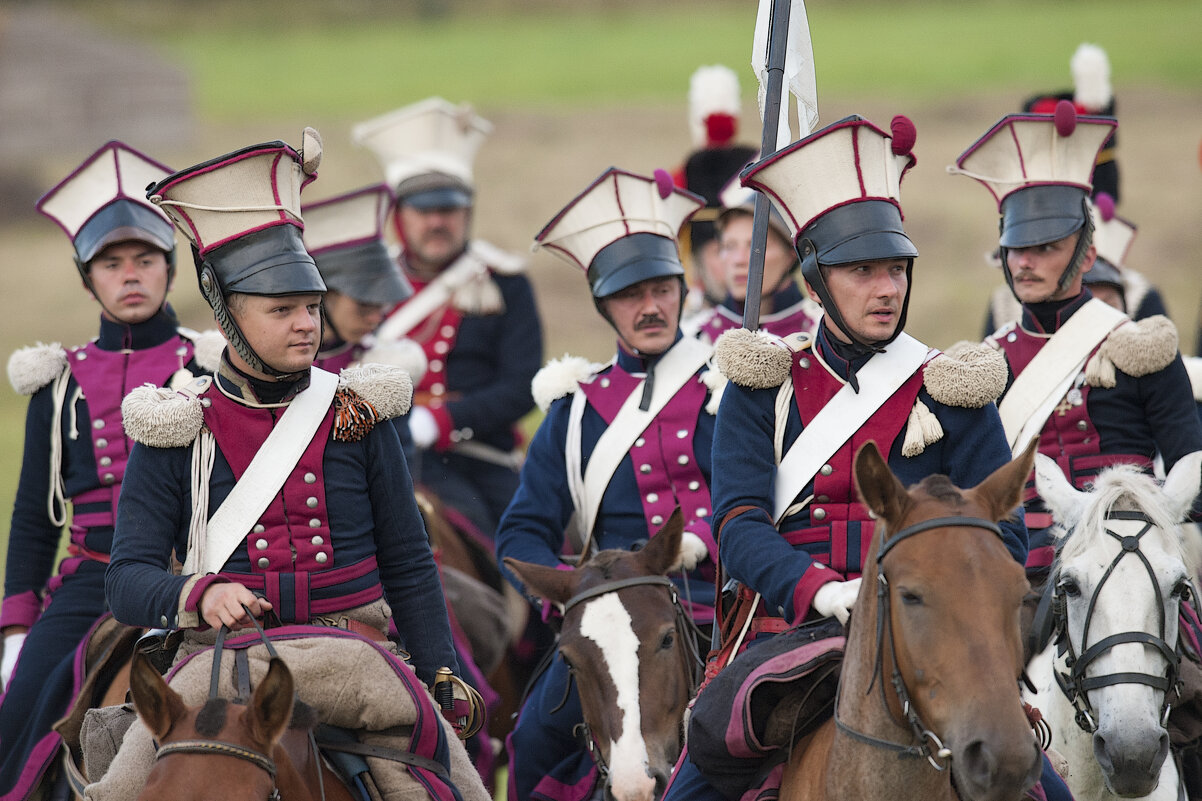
(607, 623)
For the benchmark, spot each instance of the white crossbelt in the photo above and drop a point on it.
(1044, 381)
(672, 372)
(843, 415)
(271, 465)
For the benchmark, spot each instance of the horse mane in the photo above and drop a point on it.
(1122, 487)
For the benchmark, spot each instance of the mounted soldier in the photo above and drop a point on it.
(75, 448)
(1094, 386)
(785, 307)
(278, 485)
(623, 444)
(793, 535)
(473, 313)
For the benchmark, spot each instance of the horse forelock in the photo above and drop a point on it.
(210, 718)
(1121, 488)
(304, 717)
(941, 489)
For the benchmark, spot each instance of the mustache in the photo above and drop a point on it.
(648, 321)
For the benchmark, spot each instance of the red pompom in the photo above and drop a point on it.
(1105, 206)
(904, 135)
(664, 183)
(720, 129)
(1065, 117)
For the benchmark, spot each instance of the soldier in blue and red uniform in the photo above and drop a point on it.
(796, 549)
(75, 447)
(1124, 395)
(340, 541)
(786, 309)
(622, 232)
(345, 237)
(473, 313)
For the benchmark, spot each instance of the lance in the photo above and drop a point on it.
(783, 60)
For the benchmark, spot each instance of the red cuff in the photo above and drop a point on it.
(815, 576)
(22, 609)
(192, 604)
(442, 416)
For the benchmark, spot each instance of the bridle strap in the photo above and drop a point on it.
(615, 586)
(936, 522)
(219, 748)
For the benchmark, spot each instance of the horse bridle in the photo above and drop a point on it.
(1076, 685)
(927, 744)
(684, 630)
(220, 747)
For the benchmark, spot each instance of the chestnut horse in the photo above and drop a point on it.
(231, 751)
(632, 652)
(929, 704)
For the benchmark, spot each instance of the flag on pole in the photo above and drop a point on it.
(799, 71)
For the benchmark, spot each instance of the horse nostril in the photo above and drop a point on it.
(980, 765)
(661, 783)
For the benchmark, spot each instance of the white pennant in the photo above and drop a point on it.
(799, 71)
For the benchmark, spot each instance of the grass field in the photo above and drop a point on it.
(573, 87)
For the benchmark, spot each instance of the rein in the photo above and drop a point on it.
(1076, 685)
(220, 747)
(685, 632)
(926, 743)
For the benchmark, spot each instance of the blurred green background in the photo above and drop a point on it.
(576, 86)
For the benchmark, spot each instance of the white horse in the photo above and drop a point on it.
(1106, 682)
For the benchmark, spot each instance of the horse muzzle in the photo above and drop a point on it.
(1131, 762)
(986, 770)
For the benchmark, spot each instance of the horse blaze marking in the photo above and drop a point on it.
(607, 623)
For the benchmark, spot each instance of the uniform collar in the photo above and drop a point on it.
(1046, 318)
(844, 359)
(138, 336)
(251, 391)
(789, 295)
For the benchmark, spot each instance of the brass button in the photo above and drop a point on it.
(682, 433)
(1082, 425)
(652, 497)
(310, 478)
(441, 347)
(264, 562)
(311, 503)
(702, 511)
(98, 424)
(682, 459)
(820, 514)
(314, 523)
(102, 443)
(644, 468)
(261, 544)
(694, 485)
(826, 470)
(318, 540)
(259, 528)
(657, 520)
(437, 389)
(435, 365)
(640, 442)
(803, 363)
(105, 461)
(109, 478)
(447, 330)
(321, 558)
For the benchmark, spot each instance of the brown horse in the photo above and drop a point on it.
(629, 647)
(230, 751)
(933, 659)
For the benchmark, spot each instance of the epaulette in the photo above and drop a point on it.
(165, 418)
(753, 359)
(403, 353)
(479, 295)
(206, 347)
(388, 388)
(1137, 348)
(30, 369)
(561, 377)
(968, 374)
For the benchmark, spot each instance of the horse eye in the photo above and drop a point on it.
(910, 598)
(1182, 590)
(669, 641)
(1070, 587)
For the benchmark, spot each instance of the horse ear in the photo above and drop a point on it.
(548, 583)
(157, 705)
(271, 705)
(1065, 500)
(1181, 484)
(662, 552)
(878, 487)
(1002, 490)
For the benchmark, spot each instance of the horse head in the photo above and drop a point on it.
(1120, 577)
(945, 594)
(188, 738)
(623, 640)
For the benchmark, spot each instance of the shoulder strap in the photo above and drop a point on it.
(843, 415)
(1042, 383)
(431, 298)
(263, 478)
(676, 368)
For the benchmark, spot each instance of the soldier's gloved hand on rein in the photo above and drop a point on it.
(692, 552)
(12, 649)
(423, 427)
(836, 598)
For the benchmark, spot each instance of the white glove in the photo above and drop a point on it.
(836, 598)
(12, 649)
(423, 427)
(692, 552)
